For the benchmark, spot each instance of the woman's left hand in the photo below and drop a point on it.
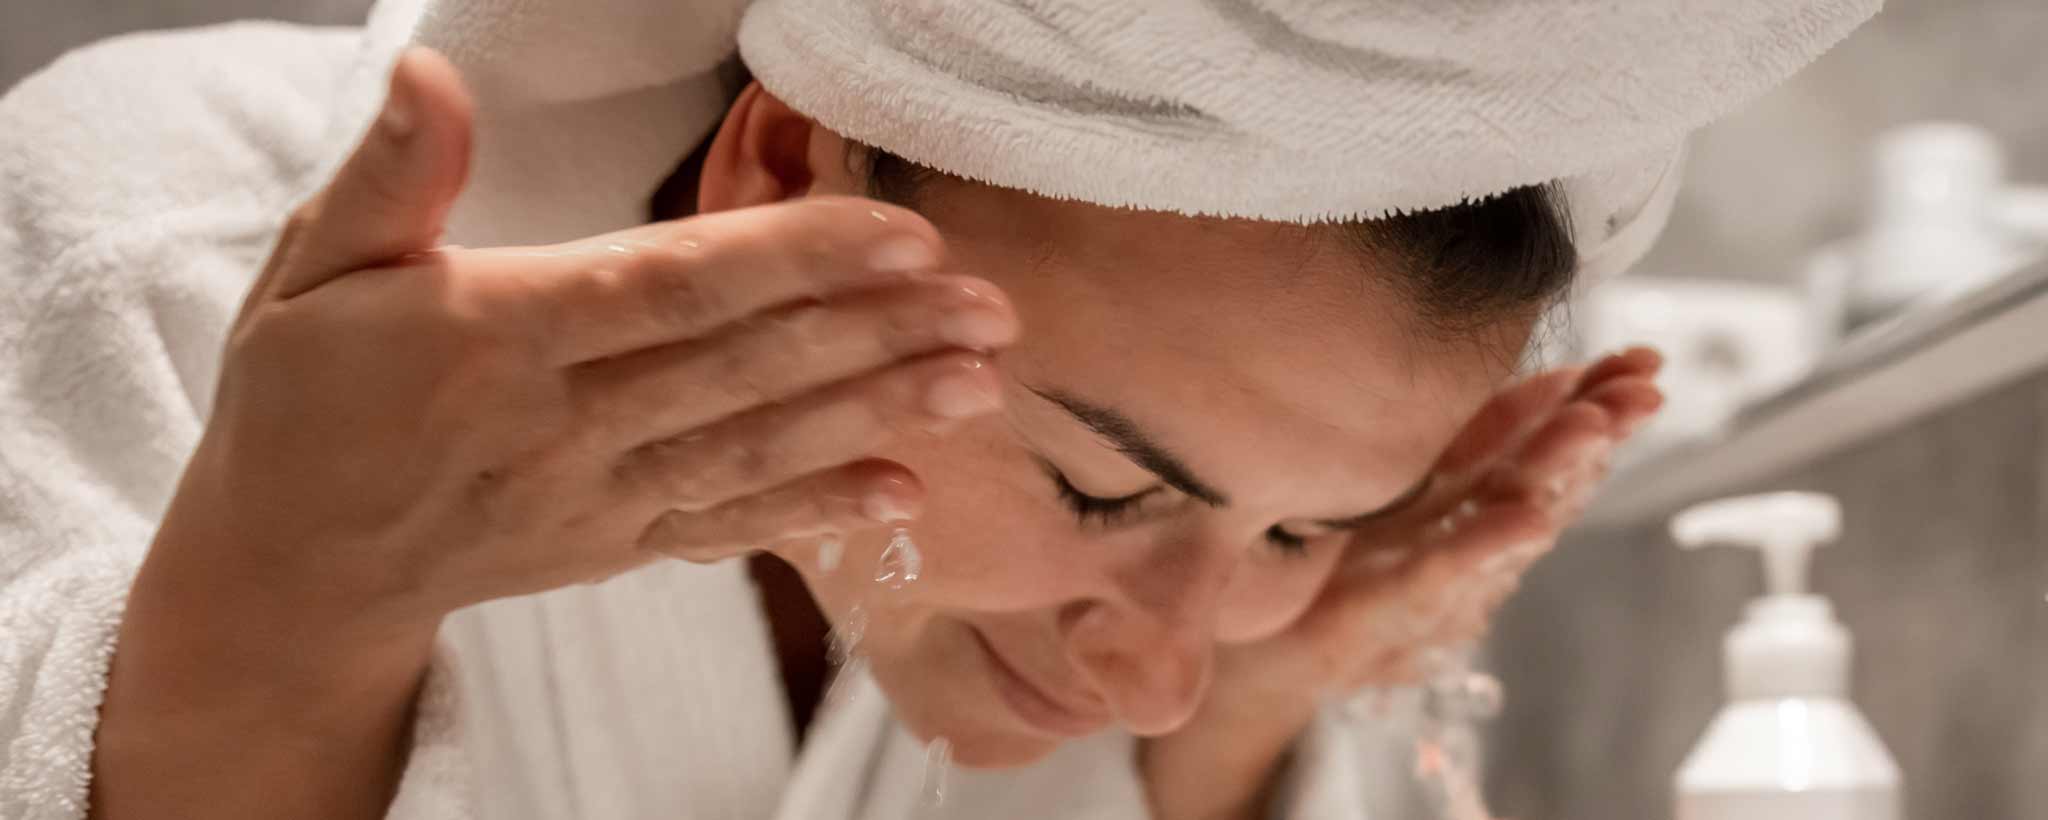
(1428, 576)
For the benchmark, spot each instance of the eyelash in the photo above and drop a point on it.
(1103, 511)
(1108, 511)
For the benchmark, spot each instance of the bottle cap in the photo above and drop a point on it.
(1788, 643)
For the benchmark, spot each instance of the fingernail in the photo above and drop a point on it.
(886, 508)
(960, 395)
(977, 328)
(397, 120)
(903, 253)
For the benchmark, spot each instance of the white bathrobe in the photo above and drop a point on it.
(142, 181)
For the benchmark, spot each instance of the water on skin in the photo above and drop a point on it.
(844, 642)
(829, 553)
(938, 762)
(900, 563)
(843, 684)
(843, 649)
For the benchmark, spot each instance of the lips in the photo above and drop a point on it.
(1036, 706)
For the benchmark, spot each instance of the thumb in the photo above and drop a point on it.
(392, 196)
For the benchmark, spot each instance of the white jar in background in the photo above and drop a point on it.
(1725, 342)
(1936, 226)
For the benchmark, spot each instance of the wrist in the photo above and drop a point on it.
(217, 626)
(228, 702)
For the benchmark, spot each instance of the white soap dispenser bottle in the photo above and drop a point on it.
(1788, 744)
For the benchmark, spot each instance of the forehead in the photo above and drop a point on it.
(1274, 352)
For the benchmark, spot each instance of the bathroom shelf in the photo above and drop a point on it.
(1878, 380)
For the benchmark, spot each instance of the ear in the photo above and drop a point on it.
(767, 152)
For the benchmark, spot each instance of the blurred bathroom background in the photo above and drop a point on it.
(1861, 200)
(1850, 309)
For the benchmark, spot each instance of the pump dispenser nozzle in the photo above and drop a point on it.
(1788, 642)
(1786, 527)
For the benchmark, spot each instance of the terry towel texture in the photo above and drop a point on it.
(1290, 110)
(1296, 110)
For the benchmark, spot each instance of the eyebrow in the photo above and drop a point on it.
(1136, 445)
(1143, 450)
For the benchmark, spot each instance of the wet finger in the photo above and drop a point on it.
(1380, 589)
(772, 445)
(666, 390)
(1398, 667)
(671, 281)
(1552, 459)
(1500, 534)
(1629, 401)
(1506, 419)
(1635, 361)
(845, 499)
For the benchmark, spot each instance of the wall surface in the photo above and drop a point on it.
(1778, 178)
(1611, 654)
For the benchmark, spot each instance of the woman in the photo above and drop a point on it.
(1175, 480)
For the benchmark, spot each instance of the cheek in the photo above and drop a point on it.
(1269, 593)
(992, 541)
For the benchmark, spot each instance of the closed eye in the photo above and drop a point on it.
(1106, 512)
(1109, 512)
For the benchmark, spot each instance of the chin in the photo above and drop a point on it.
(965, 709)
(982, 741)
(989, 751)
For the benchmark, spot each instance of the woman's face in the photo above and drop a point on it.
(1194, 409)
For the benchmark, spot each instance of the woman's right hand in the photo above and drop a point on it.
(401, 430)
(406, 430)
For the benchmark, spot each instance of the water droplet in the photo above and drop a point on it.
(938, 761)
(829, 553)
(1456, 699)
(900, 563)
(1468, 508)
(1370, 703)
(1484, 696)
(844, 683)
(1403, 627)
(844, 643)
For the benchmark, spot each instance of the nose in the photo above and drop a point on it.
(1150, 647)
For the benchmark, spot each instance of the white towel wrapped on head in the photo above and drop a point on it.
(1295, 110)
(1287, 110)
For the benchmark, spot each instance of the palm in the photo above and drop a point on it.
(1431, 575)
